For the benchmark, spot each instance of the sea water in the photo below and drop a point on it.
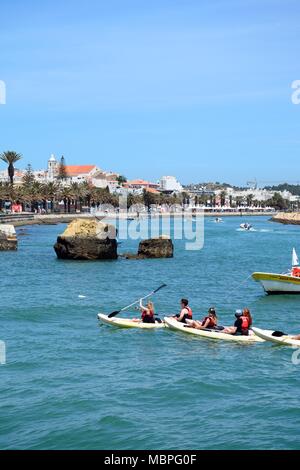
(71, 383)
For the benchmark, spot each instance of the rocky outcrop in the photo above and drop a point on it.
(8, 238)
(160, 247)
(292, 218)
(87, 239)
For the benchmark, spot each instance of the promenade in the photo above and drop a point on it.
(52, 219)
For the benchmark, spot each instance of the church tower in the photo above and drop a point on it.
(52, 167)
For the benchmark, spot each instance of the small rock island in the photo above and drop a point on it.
(159, 247)
(87, 239)
(8, 238)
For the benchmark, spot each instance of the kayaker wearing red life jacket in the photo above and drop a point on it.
(247, 314)
(148, 313)
(242, 323)
(208, 322)
(186, 311)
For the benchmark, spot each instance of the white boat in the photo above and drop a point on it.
(128, 322)
(175, 325)
(246, 226)
(218, 220)
(285, 283)
(284, 340)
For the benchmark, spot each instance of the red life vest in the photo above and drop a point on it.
(211, 323)
(245, 323)
(296, 272)
(150, 315)
(190, 313)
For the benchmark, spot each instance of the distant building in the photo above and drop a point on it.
(80, 173)
(77, 174)
(53, 167)
(169, 184)
(152, 191)
(140, 185)
(18, 177)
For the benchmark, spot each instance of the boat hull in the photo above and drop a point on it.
(278, 283)
(128, 323)
(216, 335)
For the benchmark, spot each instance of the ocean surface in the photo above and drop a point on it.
(70, 383)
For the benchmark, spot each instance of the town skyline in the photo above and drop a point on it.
(251, 181)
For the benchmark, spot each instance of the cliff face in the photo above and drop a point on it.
(292, 218)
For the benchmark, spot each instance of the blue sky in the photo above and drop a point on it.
(198, 89)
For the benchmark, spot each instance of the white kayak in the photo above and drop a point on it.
(286, 340)
(128, 322)
(211, 334)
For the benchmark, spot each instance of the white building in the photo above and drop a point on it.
(53, 167)
(170, 184)
(4, 178)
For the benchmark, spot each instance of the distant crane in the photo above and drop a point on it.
(252, 184)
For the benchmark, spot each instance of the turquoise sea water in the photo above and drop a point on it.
(70, 383)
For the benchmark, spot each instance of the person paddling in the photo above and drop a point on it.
(208, 322)
(148, 313)
(241, 325)
(186, 311)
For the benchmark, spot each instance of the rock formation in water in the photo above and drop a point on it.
(8, 238)
(292, 218)
(87, 239)
(160, 247)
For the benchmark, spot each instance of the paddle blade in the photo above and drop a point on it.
(160, 287)
(112, 314)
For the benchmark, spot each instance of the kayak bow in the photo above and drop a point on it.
(128, 323)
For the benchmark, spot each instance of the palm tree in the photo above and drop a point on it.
(223, 198)
(78, 192)
(67, 196)
(239, 201)
(250, 198)
(11, 158)
(51, 192)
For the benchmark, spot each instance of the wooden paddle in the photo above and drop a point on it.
(113, 314)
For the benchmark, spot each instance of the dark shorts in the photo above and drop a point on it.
(148, 319)
(242, 332)
(186, 317)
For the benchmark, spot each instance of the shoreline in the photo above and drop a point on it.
(20, 220)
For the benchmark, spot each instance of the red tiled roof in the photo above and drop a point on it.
(140, 183)
(152, 190)
(75, 170)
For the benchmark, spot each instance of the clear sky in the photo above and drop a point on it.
(196, 89)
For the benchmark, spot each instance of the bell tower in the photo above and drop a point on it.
(52, 167)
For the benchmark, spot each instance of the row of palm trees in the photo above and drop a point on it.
(50, 196)
(34, 195)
